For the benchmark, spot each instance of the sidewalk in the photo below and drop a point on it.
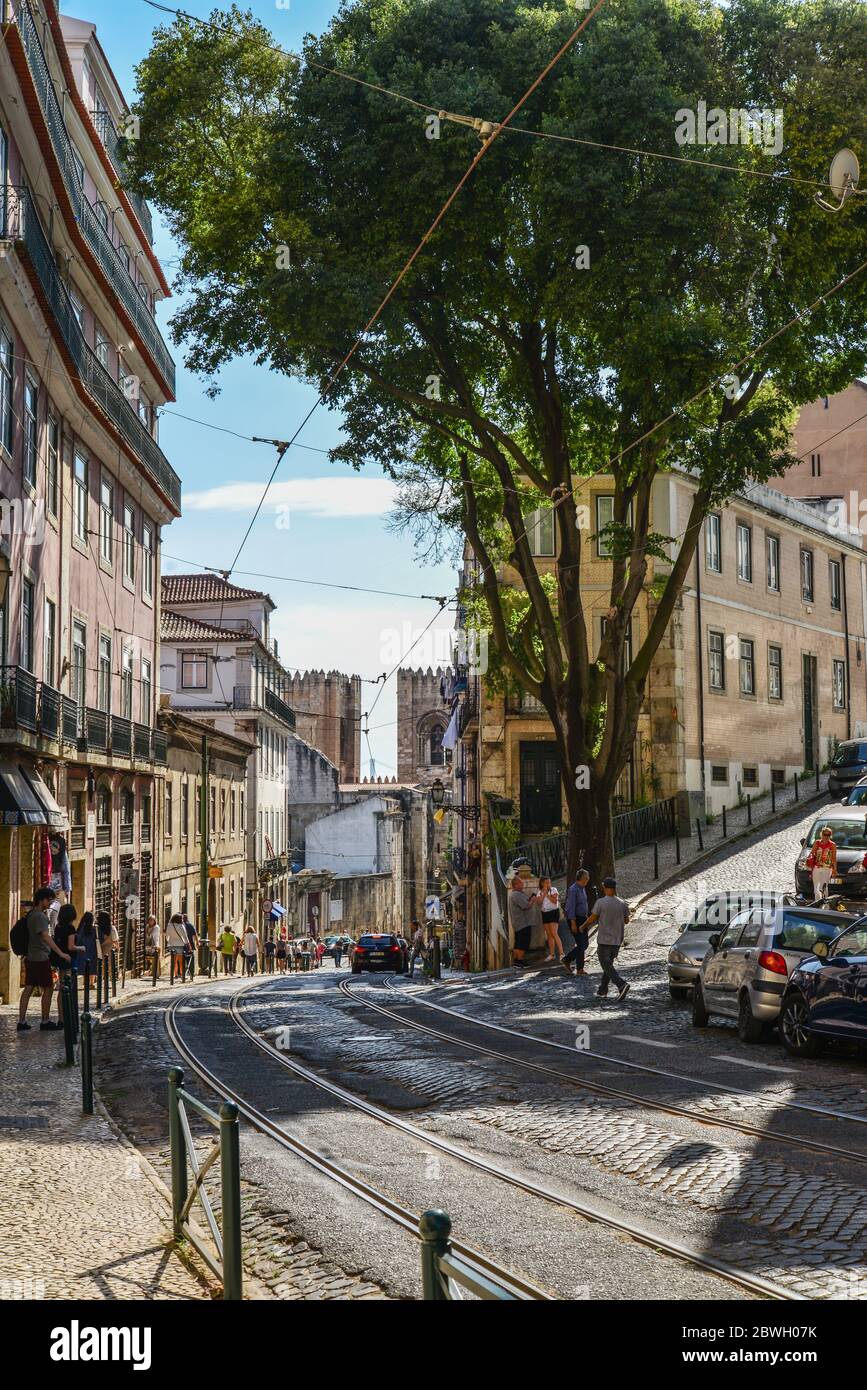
(635, 878)
(82, 1216)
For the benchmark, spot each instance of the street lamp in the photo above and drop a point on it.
(438, 796)
(438, 793)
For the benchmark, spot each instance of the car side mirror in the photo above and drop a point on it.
(820, 948)
(714, 941)
(845, 801)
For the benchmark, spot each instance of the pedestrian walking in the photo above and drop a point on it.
(37, 961)
(153, 942)
(575, 910)
(523, 908)
(417, 944)
(65, 940)
(109, 940)
(177, 944)
(227, 950)
(612, 914)
(88, 938)
(550, 906)
(251, 951)
(337, 952)
(824, 865)
(282, 954)
(192, 947)
(270, 950)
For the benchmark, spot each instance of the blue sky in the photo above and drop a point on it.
(334, 529)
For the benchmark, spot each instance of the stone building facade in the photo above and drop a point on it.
(422, 719)
(830, 443)
(313, 791)
(327, 708)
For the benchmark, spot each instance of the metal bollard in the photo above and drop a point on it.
(99, 984)
(113, 975)
(796, 786)
(437, 971)
(655, 859)
(156, 968)
(818, 783)
(773, 797)
(66, 1010)
(434, 1229)
(749, 809)
(677, 842)
(230, 1181)
(698, 832)
(86, 1063)
(178, 1149)
(87, 986)
(725, 825)
(73, 995)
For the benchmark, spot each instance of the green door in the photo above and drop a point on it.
(540, 788)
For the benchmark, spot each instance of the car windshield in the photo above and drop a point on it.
(718, 912)
(374, 940)
(848, 834)
(800, 932)
(858, 796)
(852, 943)
(849, 754)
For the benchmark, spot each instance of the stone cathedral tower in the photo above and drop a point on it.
(327, 708)
(422, 718)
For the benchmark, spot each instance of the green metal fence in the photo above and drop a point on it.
(227, 1239)
(444, 1274)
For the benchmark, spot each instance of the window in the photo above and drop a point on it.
(146, 690)
(839, 682)
(52, 474)
(77, 813)
(79, 166)
(27, 599)
(233, 810)
(128, 541)
(102, 213)
(719, 774)
(126, 683)
(747, 666)
(77, 308)
(232, 903)
(198, 811)
(713, 542)
(147, 559)
(103, 806)
(31, 430)
(79, 500)
(775, 673)
(146, 815)
(834, 584)
(104, 684)
(79, 663)
(222, 810)
(241, 819)
(716, 660)
(194, 671)
(605, 517)
(212, 823)
(7, 358)
(101, 346)
(745, 552)
(778, 776)
(539, 526)
(106, 520)
(169, 815)
(49, 654)
(127, 806)
(750, 776)
(627, 641)
(815, 465)
(185, 809)
(772, 553)
(807, 575)
(437, 756)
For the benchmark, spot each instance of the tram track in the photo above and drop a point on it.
(615, 1092)
(641, 1233)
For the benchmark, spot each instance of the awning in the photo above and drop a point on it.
(55, 816)
(277, 911)
(19, 804)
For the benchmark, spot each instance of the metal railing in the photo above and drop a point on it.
(444, 1274)
(160, 747)
(244, 698)
(548, 856)
(23, 225)
(71, 720)
(108, 134)
(121, 736)
(94, 232)
(644, 824)
(96, 730)
(227, 1242)
(18, 699)
(49, 711)
(141, 741)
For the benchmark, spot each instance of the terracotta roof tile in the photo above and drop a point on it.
(176, 627)
(204, 588)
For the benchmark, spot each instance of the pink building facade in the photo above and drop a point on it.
(84, 487)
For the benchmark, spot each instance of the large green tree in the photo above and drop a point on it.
(506, 368)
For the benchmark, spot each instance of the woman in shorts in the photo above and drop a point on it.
(550, 917)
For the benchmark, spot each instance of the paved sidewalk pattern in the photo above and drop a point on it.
(82, 1219)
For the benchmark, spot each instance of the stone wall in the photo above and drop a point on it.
(327, 706)
(419, 708)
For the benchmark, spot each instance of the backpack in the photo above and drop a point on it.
(19, 937)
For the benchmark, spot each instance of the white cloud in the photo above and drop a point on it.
(330, 498)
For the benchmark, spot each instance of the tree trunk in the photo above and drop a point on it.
(591, 843)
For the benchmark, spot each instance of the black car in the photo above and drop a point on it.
(848, 766)
(379, 951)
(826, 996)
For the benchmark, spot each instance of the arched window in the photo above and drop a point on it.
(437, 756)
(103, 806)
(127, 806)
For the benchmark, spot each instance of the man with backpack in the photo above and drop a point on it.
(34, 942)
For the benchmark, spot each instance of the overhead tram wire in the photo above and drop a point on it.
(283, 445)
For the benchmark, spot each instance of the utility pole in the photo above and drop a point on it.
(203, 863)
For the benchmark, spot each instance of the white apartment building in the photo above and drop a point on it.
(219, 665)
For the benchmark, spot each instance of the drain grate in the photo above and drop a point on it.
(23, 1122)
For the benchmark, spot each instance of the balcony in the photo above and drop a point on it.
(108, 134)
(49, 712)
(141, 741)
(18, 699)
(94, 233)
(121, 736)
(23, 226)
(126, 833)
(160, 746)
(71, 720)
(96, 731)
(244, 699)
(77, 837)
(103, 835)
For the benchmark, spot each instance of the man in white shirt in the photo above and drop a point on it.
(250, 949)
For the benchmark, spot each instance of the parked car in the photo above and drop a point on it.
(848, 766)
(826, 996)
(849, 828)
(713, 915)
(379, 951)
(748, 967)
(858, 795)
(346, 944)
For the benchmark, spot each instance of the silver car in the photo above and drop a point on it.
(709, 917)
(747, 967)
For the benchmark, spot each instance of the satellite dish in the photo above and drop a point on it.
(843, 179)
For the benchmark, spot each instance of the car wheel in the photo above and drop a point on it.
(678, 993)
(700, 1015)
(794, 1030)
(750, 1030)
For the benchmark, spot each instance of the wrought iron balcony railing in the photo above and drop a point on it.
(108, 134)
(160, 747)
(141, 741)
(243, 698)
(94, 232)
(121, 736)
(23, 225)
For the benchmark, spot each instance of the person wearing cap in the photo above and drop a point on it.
(612, 914)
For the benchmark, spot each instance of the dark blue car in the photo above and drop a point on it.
(826, 996)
